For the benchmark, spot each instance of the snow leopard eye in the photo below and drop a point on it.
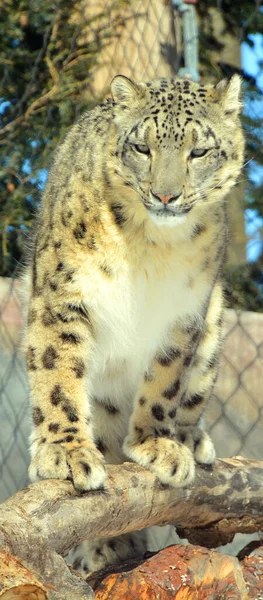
(198, 152)
(141, 149)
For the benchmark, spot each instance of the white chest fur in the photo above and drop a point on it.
(134, 315)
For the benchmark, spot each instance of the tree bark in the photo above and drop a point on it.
(16, 581)
(43, 521)
(179, 573)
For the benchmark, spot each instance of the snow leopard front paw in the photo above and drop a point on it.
(84, 465)
(171, 461)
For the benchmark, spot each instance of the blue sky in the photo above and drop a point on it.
(250, 60)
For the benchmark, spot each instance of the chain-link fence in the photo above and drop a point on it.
(14, 408)
(235, 414)
(148, 43)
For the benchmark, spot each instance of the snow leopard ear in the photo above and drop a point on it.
(228, 92)
(124, 90)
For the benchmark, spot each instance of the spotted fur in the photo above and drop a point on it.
(123, 285)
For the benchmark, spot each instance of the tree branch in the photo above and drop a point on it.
(51, 517)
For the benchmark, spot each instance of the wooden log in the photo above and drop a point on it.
(51, 517)
(227, 499)
(138, 576)
(54, 580)
(178, 573)
(252, 569)
(17, 582)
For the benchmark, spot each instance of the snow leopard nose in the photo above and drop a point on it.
(166, 199)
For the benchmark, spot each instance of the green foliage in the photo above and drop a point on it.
(240, 18)
(46, 67)
(243, 286)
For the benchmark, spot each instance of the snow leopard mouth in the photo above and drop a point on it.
(169, 211)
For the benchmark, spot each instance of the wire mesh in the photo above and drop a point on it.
(147, 44)
(235, 415)
(14, 408)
